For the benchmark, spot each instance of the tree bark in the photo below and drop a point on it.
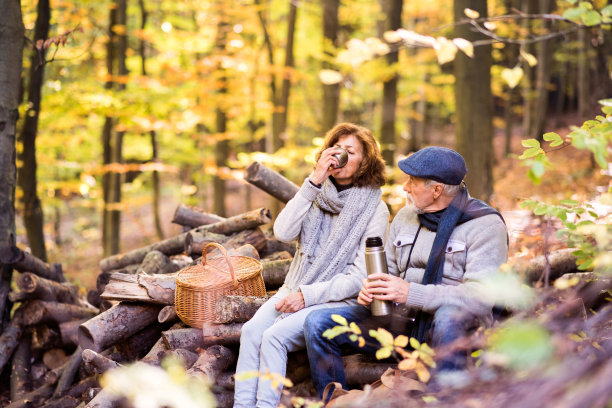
(24, 262)
(274, 272)
(155, 354)
(67, 401)
(331, 93)
(158, 289)
(193, 217)
(116, 324)
(473, 102)
(99, 363)
(136, 346)
(104, 399)
(45, 336)
(283, 107)
(12, 34)
(33, 218)
(70, 371)
(237, 309)
(226, 334)
(392, 10)
(9, 340)
(200, 240)
(274, 245)
(212, 361)
(69, 332)
(186, 357)
(40, 311)
(20, 370)
(253, 237)
(270, 181)
(561, 262)
(34, 287)
(33, 398)
(222, 147)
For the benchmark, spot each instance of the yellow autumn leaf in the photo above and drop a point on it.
(512, 76)
(384, 337)
(530, 58)
(361, 341)
(471, 13)
(400, 341)
(422, 372)
(407, 365)
(383, 353)
(119, 29)
(445, 50)
(565, 283)
(490, 25)
(355, 328)
(377, 47)
(465, 46)
(330, 77)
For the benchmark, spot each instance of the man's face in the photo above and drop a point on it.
(419, 194)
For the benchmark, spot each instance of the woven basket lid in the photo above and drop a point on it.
(219, 271)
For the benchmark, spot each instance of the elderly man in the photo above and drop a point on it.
(440, 246)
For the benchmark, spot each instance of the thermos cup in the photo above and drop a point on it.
(342, 157)
(376, 262)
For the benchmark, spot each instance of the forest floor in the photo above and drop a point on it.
(574, 176)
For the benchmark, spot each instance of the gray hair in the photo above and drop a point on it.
(449, 189)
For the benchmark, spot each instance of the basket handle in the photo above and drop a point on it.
(224, 253)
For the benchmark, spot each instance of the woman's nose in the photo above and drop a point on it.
(407, 187)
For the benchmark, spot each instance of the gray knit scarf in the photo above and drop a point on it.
(355, 207)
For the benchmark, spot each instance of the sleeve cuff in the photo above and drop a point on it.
(308, 295)
(416, 296)
(309, 191)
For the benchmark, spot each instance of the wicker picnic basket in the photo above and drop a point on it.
(199, 287)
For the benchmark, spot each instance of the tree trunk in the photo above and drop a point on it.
(528, 7)
(116, 324)
(193, 217)
(283, 113)
(583, 73)
(237, 309)
(331, 93)
(473, 102)
(270, 181)
(24, 262)
(222, 148)
(12, 34)
(32, 210)
(20, 370)
(392, 10)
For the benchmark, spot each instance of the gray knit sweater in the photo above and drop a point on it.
(341, 287)
(476, 249)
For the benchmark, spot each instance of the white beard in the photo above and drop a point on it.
(411, 205)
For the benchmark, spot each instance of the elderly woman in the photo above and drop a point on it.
(331, 216)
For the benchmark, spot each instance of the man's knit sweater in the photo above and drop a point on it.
(342, 287)
(476, 249)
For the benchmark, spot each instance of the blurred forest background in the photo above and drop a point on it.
(128, 108)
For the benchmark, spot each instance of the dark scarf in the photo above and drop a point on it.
(462, 209)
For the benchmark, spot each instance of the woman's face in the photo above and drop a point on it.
(353, 147)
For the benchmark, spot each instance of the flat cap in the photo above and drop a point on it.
(435, 163)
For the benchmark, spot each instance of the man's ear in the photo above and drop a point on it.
(438, 191)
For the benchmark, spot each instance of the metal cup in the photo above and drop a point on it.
(342, 157)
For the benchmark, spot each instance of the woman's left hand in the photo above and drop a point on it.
(291, 303)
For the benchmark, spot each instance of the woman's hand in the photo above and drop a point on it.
(324, 166)
(382, 286)
(291, 303)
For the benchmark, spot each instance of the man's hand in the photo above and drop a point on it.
(291, 303)
(382, 286)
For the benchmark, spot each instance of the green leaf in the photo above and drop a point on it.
(573, 13)
(585, 5)
(537, 168)
(541, 209)
(606, 12)
(383, 353)
(335, 331)
(591, 18)
(569, 202)
(531, 152)
(530, 143)
(594, 214)
(353, 337)
(525, 343)
(607, 110)
(414, 343)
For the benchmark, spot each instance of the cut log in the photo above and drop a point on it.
(167, 314)
(154, 355)
(69, 332)
(67, 377)
(274, 272)
(189, 338)
(245, 250)
(33, 287)
(226, 334)
(25, 262)
(237, 309)
(54, 358)
(20, 369)
(93, 297)
(98, 362)
(67, 401)
(116, 324)
(193, 217)
(226, 380)
(33, 398)
(225, 399)
(176, 245)
(278, 256)
(155, 262)
(274, 245)
(187, 358)
(561, 262)
(136, 346)
(40, 311)
(271, 182)
(254, 237)
(200, 239)
(158, 289)
(78, 389)
(212, 361)
(104, 399)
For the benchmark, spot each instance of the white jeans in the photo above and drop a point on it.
(264, 343)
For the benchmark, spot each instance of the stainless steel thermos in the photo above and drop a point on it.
(342, 157)
(376, 262)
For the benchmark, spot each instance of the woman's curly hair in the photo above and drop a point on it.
(371, 172)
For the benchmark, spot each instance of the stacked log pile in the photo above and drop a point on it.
(58, 343)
